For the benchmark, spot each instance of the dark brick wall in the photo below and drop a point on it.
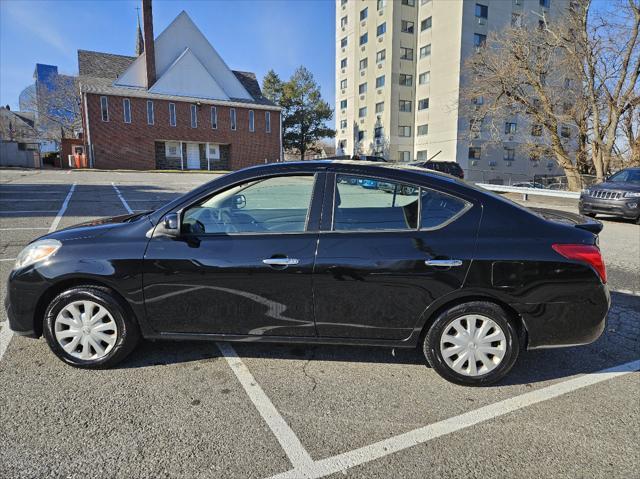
(117, 144)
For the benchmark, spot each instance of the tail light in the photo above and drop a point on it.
(589, 254)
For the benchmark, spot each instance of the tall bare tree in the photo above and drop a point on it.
(571, 81)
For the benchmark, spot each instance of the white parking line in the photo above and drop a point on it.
(22, 200)
(4, 212)
(29, 228)
(6, 333)
(7, 259)
(344, 461)
(124, 202)
(293, 448)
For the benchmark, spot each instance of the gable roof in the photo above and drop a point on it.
(102, 65)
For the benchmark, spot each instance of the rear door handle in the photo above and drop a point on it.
(281, 261)
(443, 263)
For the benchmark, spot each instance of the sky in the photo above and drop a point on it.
(250, 35)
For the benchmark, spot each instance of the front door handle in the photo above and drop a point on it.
(281, 261)
(443, 263)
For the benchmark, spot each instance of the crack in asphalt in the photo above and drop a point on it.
(306, 373)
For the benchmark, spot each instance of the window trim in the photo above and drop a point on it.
(333, 178)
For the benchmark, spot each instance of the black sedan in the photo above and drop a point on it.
(618, 196)
(301, 253)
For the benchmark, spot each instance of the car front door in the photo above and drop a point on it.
(387, 254)
(242, 264)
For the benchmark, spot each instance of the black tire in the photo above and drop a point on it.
(128, 333)
(433, 354)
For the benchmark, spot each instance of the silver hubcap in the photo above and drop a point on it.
(473, 345)
(85, 330)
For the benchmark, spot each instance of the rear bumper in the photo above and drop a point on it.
(624, 208)
(577, 321)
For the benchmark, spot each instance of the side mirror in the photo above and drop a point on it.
(171, 225)
(239, 202)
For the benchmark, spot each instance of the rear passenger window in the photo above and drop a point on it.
(439, 208)
(363, 203)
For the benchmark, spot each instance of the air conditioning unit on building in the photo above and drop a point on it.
(492, 164)
(362, 97)
(362, 73)
(362, 49)
(380, 12)
(482, 21)
(474, 162)
(380, 38)
(379, 65)
(363, 24)
(379, 92)
(509, 163)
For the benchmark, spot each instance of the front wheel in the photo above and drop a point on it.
(472, 344)
(88, 327)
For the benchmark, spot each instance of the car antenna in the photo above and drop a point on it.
(434, 155)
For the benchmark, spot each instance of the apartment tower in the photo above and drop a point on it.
(399, 67)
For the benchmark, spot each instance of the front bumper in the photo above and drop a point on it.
(623, 207)
(24, 290)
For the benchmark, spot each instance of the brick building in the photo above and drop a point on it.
(175, 106)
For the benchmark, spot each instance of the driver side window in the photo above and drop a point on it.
(271, 205)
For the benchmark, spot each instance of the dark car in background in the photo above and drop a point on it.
(301, 253)
(618, 195)
(449, 167)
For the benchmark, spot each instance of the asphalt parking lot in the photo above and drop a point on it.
(195, 409)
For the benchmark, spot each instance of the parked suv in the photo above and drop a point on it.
(448, 167)
(618, 195)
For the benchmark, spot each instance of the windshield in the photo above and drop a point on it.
(626, 176)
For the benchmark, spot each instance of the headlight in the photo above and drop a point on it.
(632, 194)
(586, 191)
(37, 251)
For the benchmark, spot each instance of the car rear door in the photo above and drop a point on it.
(242, 264)
(383, 257)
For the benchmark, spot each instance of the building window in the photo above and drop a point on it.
(424, 78)
(406, 53)
(104, 108)
(214, 118)
(343, 63)
(194, 116)
(343, 21)
(362, 112)
(381, 55)
(565, 132)
(425, 24)
(422, 130)
(378, 132)
(509, 154)
(126, 110)
(404, 156)
(407, 26)
(381, 4)
(343, 84)
(474, 152)
(343, 104)
(343, 2)
(482, 11)
(382, 28)
(363, 63)
(380, 107)
(364, 13)
(421, 155)
(232, 117)
(423, 104)
(404, 131)
(510, 128)
(172, 114)
(362, 88)
(172, 149)
(343, 42)
(545, 3)
(410, 3)
(343, 124)
(406, 80)
(405, 105)
(361, 135)
(536, 129)
(151, 119)
(364, 38)
(267, 121)
(380, 81)
(252, 122)
(425, 51)
(479, 40)
(516, 20)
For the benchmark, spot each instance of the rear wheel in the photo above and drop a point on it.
(88, 327)
(472, 344)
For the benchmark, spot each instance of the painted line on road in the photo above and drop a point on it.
(625, 291)
(347, 460)
(7, 259)
(22, 200)
(124, 202)
(26, 228)
(6, 333)
(4, 212)
(293, 448)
